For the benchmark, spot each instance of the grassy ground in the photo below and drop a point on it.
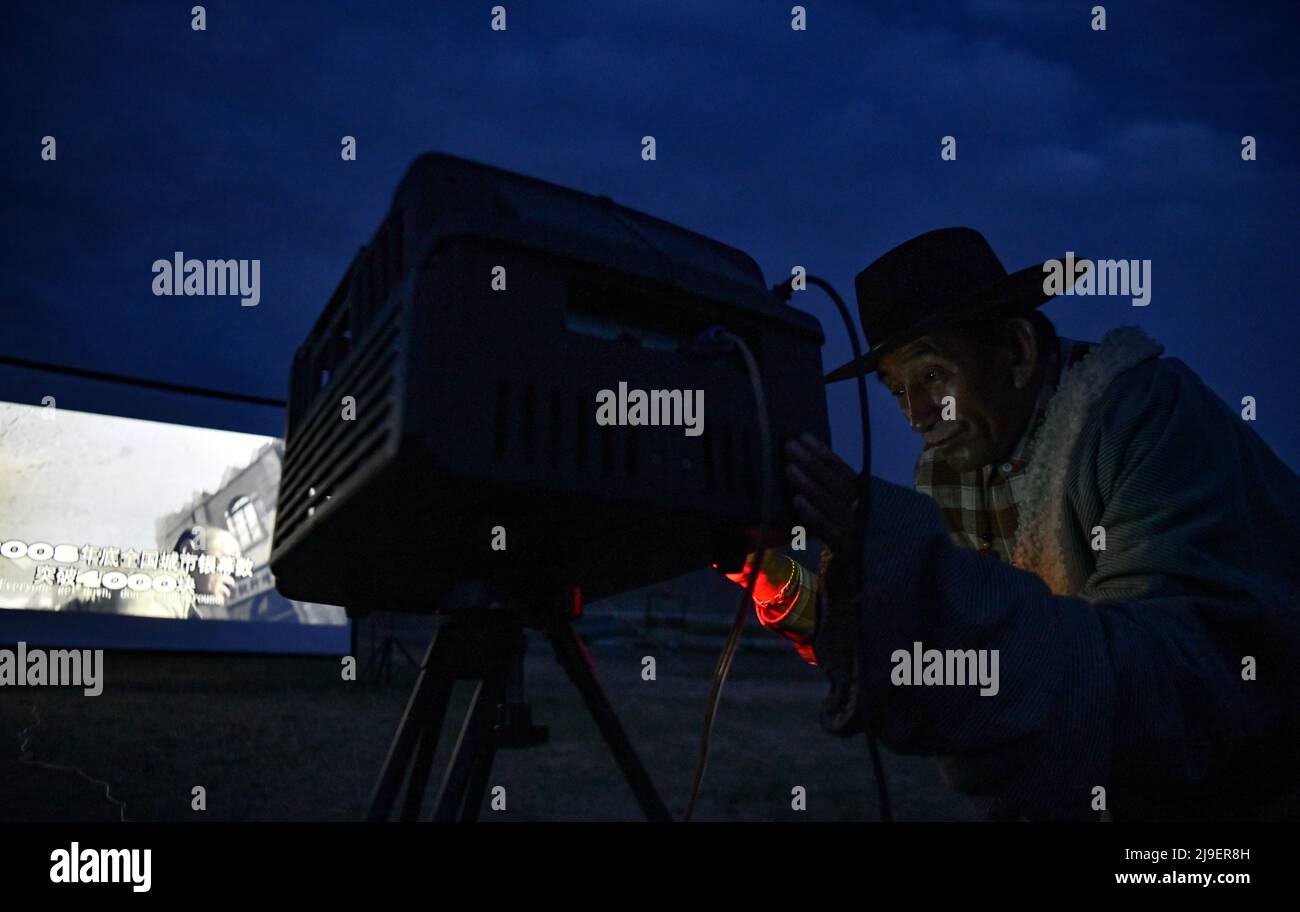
(286, 739)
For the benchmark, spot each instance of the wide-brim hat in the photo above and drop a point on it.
(938, 279)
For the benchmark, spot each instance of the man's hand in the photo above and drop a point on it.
(826, 493)
(775, 573)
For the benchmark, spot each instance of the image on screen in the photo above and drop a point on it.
(119, 516)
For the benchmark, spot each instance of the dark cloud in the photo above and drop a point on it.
(818, 148)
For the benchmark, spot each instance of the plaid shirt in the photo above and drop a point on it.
(980, 507)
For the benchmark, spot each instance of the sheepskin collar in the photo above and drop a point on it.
(1039, 533)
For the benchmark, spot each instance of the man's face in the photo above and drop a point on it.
(988, 411)
(220, 544)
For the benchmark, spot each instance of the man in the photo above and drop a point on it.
(1094, 517)
(215, 588)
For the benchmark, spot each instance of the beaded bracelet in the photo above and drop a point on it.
(796, 574)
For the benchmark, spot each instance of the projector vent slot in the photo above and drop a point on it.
(329, 475)
(326, 426)
(374, 369)
(374, 276)
(327, 450)
(554, 428)
(308, 472)
(518, 430)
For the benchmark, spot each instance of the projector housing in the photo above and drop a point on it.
(472, 411)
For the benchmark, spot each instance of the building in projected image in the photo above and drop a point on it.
(108, 515)
(243, 505)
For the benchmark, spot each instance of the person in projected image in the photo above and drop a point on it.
(212, 591)
(219, 586)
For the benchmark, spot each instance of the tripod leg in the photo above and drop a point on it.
(369, 671)
(470, 750)
(414, 720)
(482, 771)
(477, 787)
(403, 650)
(573, 657)
(419, 779)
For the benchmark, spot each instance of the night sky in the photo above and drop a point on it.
(818, 148)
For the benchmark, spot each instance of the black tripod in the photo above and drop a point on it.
(486, 644)
(380, 664)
